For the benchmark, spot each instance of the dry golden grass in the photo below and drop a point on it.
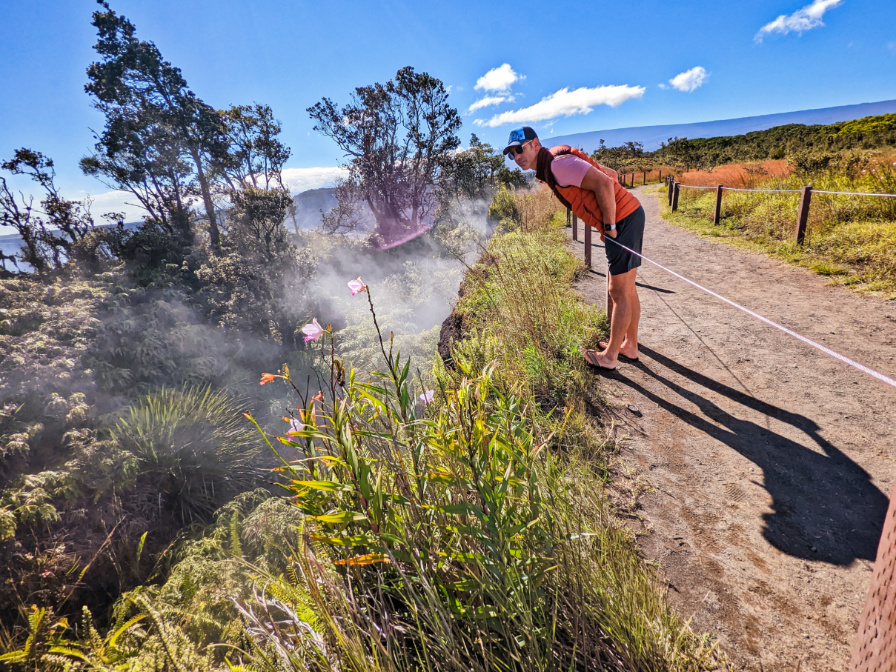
(737, 175)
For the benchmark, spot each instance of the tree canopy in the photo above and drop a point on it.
(159, 137)
(396, 136)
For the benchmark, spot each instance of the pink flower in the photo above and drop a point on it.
(312, 331)
(357, 286)
(295, 426)
(427, 396)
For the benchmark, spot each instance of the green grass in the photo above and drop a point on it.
(476, 533)
(850, 240)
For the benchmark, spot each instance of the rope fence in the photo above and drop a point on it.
(802, 211)
(874, 649)
(852, 193)
(790, 332)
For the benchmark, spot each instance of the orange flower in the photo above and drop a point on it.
(267, 378)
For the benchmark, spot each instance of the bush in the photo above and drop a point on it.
(453, 527)
(192, 451)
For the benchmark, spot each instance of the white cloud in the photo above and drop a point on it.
(800, 21)
(490, 101)
(303, 179)
(690, 79)
(566, 103)
(498, 79)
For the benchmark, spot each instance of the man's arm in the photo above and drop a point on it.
(608, 171)
(604, 188)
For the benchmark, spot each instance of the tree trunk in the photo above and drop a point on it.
(207, 200)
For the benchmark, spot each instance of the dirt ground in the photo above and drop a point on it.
(765, 464)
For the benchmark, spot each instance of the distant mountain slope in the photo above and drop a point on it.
(309, 205)
(652, 136)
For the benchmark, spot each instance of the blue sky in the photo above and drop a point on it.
(621, 64)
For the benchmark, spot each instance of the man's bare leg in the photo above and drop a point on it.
(623, 321)
(629, 348)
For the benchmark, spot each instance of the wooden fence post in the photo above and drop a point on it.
(587, 244)
(671, 188)
(803, 213)
(717, 217)
(575, 227)
(660, 178)
(644, 181)
(675, 196)
(609, 300)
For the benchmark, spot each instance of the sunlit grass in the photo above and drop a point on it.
(849, 239)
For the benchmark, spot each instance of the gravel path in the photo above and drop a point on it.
(766, 462)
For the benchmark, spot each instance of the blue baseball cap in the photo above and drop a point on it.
(519, 136)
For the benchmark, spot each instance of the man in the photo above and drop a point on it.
(594, 194)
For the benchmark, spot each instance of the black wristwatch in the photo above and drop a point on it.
(609, 227)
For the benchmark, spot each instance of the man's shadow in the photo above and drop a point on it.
(824, 505)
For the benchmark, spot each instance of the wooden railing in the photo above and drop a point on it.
(628, 179)
(802, 216)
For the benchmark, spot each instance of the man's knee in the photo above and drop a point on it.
(621, 285)
(617, 291)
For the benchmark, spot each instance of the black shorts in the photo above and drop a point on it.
(629, 232)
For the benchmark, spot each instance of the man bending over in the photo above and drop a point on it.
(593, 193)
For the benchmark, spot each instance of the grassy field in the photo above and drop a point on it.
(850, 239)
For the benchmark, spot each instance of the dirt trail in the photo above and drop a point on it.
(766, 462)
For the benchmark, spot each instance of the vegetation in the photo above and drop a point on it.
(797, 142)
(396, 135)
(452, 511)
(849, 238)
(127, 356)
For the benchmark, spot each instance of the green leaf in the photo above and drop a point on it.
(350, 541)
(124, 628)
(340, 517)
(140, 546)
(324, 486)
(67, 651)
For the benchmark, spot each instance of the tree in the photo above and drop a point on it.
(48, 233)
(680, 151)
(159, 138)
(627, 157)
(255, 156)
(476, 172)
(396, 135)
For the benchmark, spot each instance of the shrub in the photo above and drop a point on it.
(192, 451)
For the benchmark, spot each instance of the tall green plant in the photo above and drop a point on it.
(452, 543)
